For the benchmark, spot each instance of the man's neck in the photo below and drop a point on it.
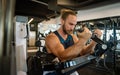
(62, 33)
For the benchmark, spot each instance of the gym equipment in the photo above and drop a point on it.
(64, 68)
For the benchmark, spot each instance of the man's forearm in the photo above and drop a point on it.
(74, 50)
(89, 48)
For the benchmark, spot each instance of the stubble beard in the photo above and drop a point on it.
(65, 31)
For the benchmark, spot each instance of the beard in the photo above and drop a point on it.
(67, 31)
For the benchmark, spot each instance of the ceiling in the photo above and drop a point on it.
(45, 9)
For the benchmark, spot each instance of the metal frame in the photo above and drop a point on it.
(7, 54)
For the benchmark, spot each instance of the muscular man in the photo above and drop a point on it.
(63, 44)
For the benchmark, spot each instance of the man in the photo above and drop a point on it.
(63, 44)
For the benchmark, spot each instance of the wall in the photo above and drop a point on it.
(47, 26)
(21, 48)
(94, 13)
(99, 12)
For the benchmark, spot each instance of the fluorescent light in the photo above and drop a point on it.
(91, 23)
(40, 2)
(30, 20)
(29, 51)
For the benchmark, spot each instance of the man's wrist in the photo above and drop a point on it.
(82, 40)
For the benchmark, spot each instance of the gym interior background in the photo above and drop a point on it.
(25, 22)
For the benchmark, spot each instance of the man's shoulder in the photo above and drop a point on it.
(51, 39)
(51, 36)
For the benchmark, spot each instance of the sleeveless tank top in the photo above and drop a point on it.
(66, 43)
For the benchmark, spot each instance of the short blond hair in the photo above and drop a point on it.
(66, 12)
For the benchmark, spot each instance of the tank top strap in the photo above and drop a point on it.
(66, 43)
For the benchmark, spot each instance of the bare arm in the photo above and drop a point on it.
(87, 48)
(90, 47)
(54, 46)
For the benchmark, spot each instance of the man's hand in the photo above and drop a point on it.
(86, 34)
(97, 32)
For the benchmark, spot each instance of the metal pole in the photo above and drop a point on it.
(114, 48)
(2, 22)
(1, 25)
(6, 27)
(105, 31)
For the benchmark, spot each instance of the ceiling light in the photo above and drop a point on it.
(30, 20)
(40, 2)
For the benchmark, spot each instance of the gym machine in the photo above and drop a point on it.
(107, 48)
(107, 60)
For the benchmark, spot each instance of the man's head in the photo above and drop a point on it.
(68, 20)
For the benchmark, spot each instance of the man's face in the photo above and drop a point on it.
(69, 24)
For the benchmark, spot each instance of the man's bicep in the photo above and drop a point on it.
(54, 46)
